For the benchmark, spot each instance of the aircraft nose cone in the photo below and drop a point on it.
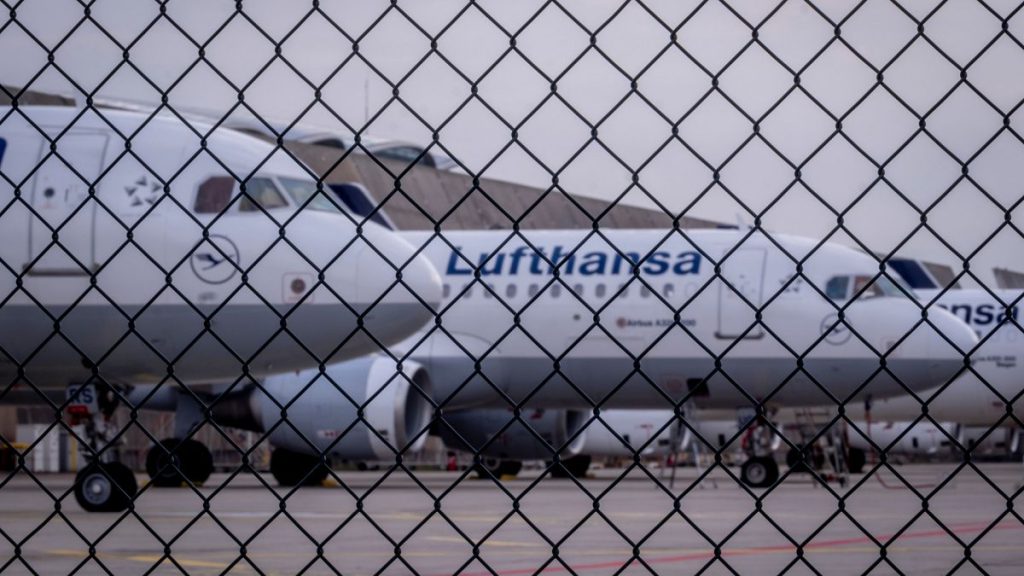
(424, 281)
(401, 288)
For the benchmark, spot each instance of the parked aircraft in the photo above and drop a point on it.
(512, 333)
(131, 255)
(996, 375)
(972, 409)
(986, 399)
(586, 330)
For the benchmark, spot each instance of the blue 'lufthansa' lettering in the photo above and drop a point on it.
(526, 261)
(980, 314)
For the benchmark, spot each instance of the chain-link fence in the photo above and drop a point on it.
(510, 288)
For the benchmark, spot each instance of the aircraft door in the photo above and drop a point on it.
(60, 199)
(744, 271)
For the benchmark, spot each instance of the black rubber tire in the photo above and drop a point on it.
(855, 460)
(510, 468)
(498, 468)
(198, 461)
(759, 472)
(295, 469)
(573, 467)
(189, 457)
(105, 487)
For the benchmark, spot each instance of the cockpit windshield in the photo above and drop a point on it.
(302, 191)
(863, 286)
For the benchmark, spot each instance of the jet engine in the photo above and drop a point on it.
(538, 435)
(315, 413)
(364, 409)
(321, 412)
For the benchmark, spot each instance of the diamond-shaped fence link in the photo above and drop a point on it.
(218, 279)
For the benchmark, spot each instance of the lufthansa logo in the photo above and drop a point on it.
(215, 261)
(838, 334)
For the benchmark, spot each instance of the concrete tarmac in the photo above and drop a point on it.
(618, 521)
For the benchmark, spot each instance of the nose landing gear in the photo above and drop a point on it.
(105, 487)
(759, 472)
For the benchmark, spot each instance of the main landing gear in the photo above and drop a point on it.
(574, 467)
(181, 460)
(497, 467)
(296, 469)
(174, 462)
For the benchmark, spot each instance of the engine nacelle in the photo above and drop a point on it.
(552, 431)
(322, 410)
(923, 438)
(999, 443)
(647, 432)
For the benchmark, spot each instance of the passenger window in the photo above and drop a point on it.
(488, 289)
(599, 290)
(214, 195)
(578, 289)
(645, 292)
(260, 192)
(468, 293)
(556, 290)
(510, 291)
(668, 290)
(532, 290)
(446, 291)
(624, 291)
(837, 288)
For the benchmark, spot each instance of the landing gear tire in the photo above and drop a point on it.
(105, 487)
(574, 467)
(173, 461)
(497, 468)
(295, 469)
(855, 460)
(759, 472)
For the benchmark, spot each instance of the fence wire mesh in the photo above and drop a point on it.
(196, 248)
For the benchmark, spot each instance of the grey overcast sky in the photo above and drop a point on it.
(957, 116)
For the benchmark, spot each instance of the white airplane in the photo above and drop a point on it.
(976, 401)
(130, 255)
(521, 335)
(594, 333)
(982, 398)
(628, 433)
(922, 439)
(641, 353)
(996, 376)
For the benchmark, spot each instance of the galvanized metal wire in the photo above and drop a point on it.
(672, 38)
